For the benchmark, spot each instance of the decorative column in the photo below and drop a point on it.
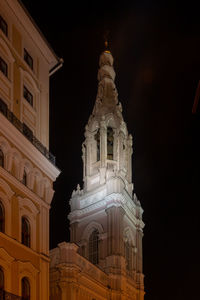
(115, 145)
(139, 236)
(103, 143)
(73, 230)
(120, 159)
(103, 151)
(129, 156)
(115, 235)
(9, 161)
(88, 151)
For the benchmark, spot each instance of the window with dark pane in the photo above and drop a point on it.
(3, 26)
(28, 96)
(97, 138)
(2, 218)
(3, 107)
(1, 158)
(3, 67)
(110, 139)
(1, 279)
(26, 237)
(94, 247)
(24, 178)
(28, 59)
(26, 295)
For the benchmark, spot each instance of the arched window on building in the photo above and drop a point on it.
(24, 178)
(1, 280)
(110, 140)
(1, 158)
(26, 232)
(128, 255)
(94, 247)
(97, 138)
(2, 218)
(26, 289)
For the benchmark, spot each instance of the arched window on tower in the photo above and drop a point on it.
(110, 139)
(1, 280)
(94, 247)
(26, 232)
(97, 138)
(2, 218)
(25, 289)
(1, 158)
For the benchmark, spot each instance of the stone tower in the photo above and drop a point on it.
(106, 217)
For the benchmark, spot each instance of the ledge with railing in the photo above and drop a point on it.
(23, 128)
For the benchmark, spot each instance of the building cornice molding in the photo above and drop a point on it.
(6, 187)
(114, 199)
(33, 31)
(27, 148)
(20, 186)
(16, 243)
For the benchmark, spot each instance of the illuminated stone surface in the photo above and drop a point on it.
(106, 205)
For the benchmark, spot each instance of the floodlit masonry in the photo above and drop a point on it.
(104, 257)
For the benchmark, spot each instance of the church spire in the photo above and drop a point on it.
(106, 217)
(107, 149)
(107, 95)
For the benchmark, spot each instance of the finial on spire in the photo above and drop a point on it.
(106, 34)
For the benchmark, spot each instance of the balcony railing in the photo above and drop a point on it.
(8, 296)
(26, 132)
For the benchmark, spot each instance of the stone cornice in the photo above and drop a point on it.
(114, 199)
(28, 150)
(18, 244)
(33, 31)
(20, 186)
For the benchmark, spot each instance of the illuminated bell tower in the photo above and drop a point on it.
(106, 216)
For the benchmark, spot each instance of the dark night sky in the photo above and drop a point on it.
(156, 47)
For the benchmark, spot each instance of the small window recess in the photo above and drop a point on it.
(2, 218)
(25, 232)
(110, 139)
(1, 158)
(27, 95)
(28, 59)
(3, 26)
(3, 67)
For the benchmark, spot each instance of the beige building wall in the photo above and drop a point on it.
(27, 168)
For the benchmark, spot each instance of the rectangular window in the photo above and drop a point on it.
(28, 59)
(3, 26)
(28, 96)
(3, 107)
(3, 67)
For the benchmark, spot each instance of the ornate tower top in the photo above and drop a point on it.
(107, 96)
(107, 149)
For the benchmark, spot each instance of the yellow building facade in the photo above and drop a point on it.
(27, 168)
